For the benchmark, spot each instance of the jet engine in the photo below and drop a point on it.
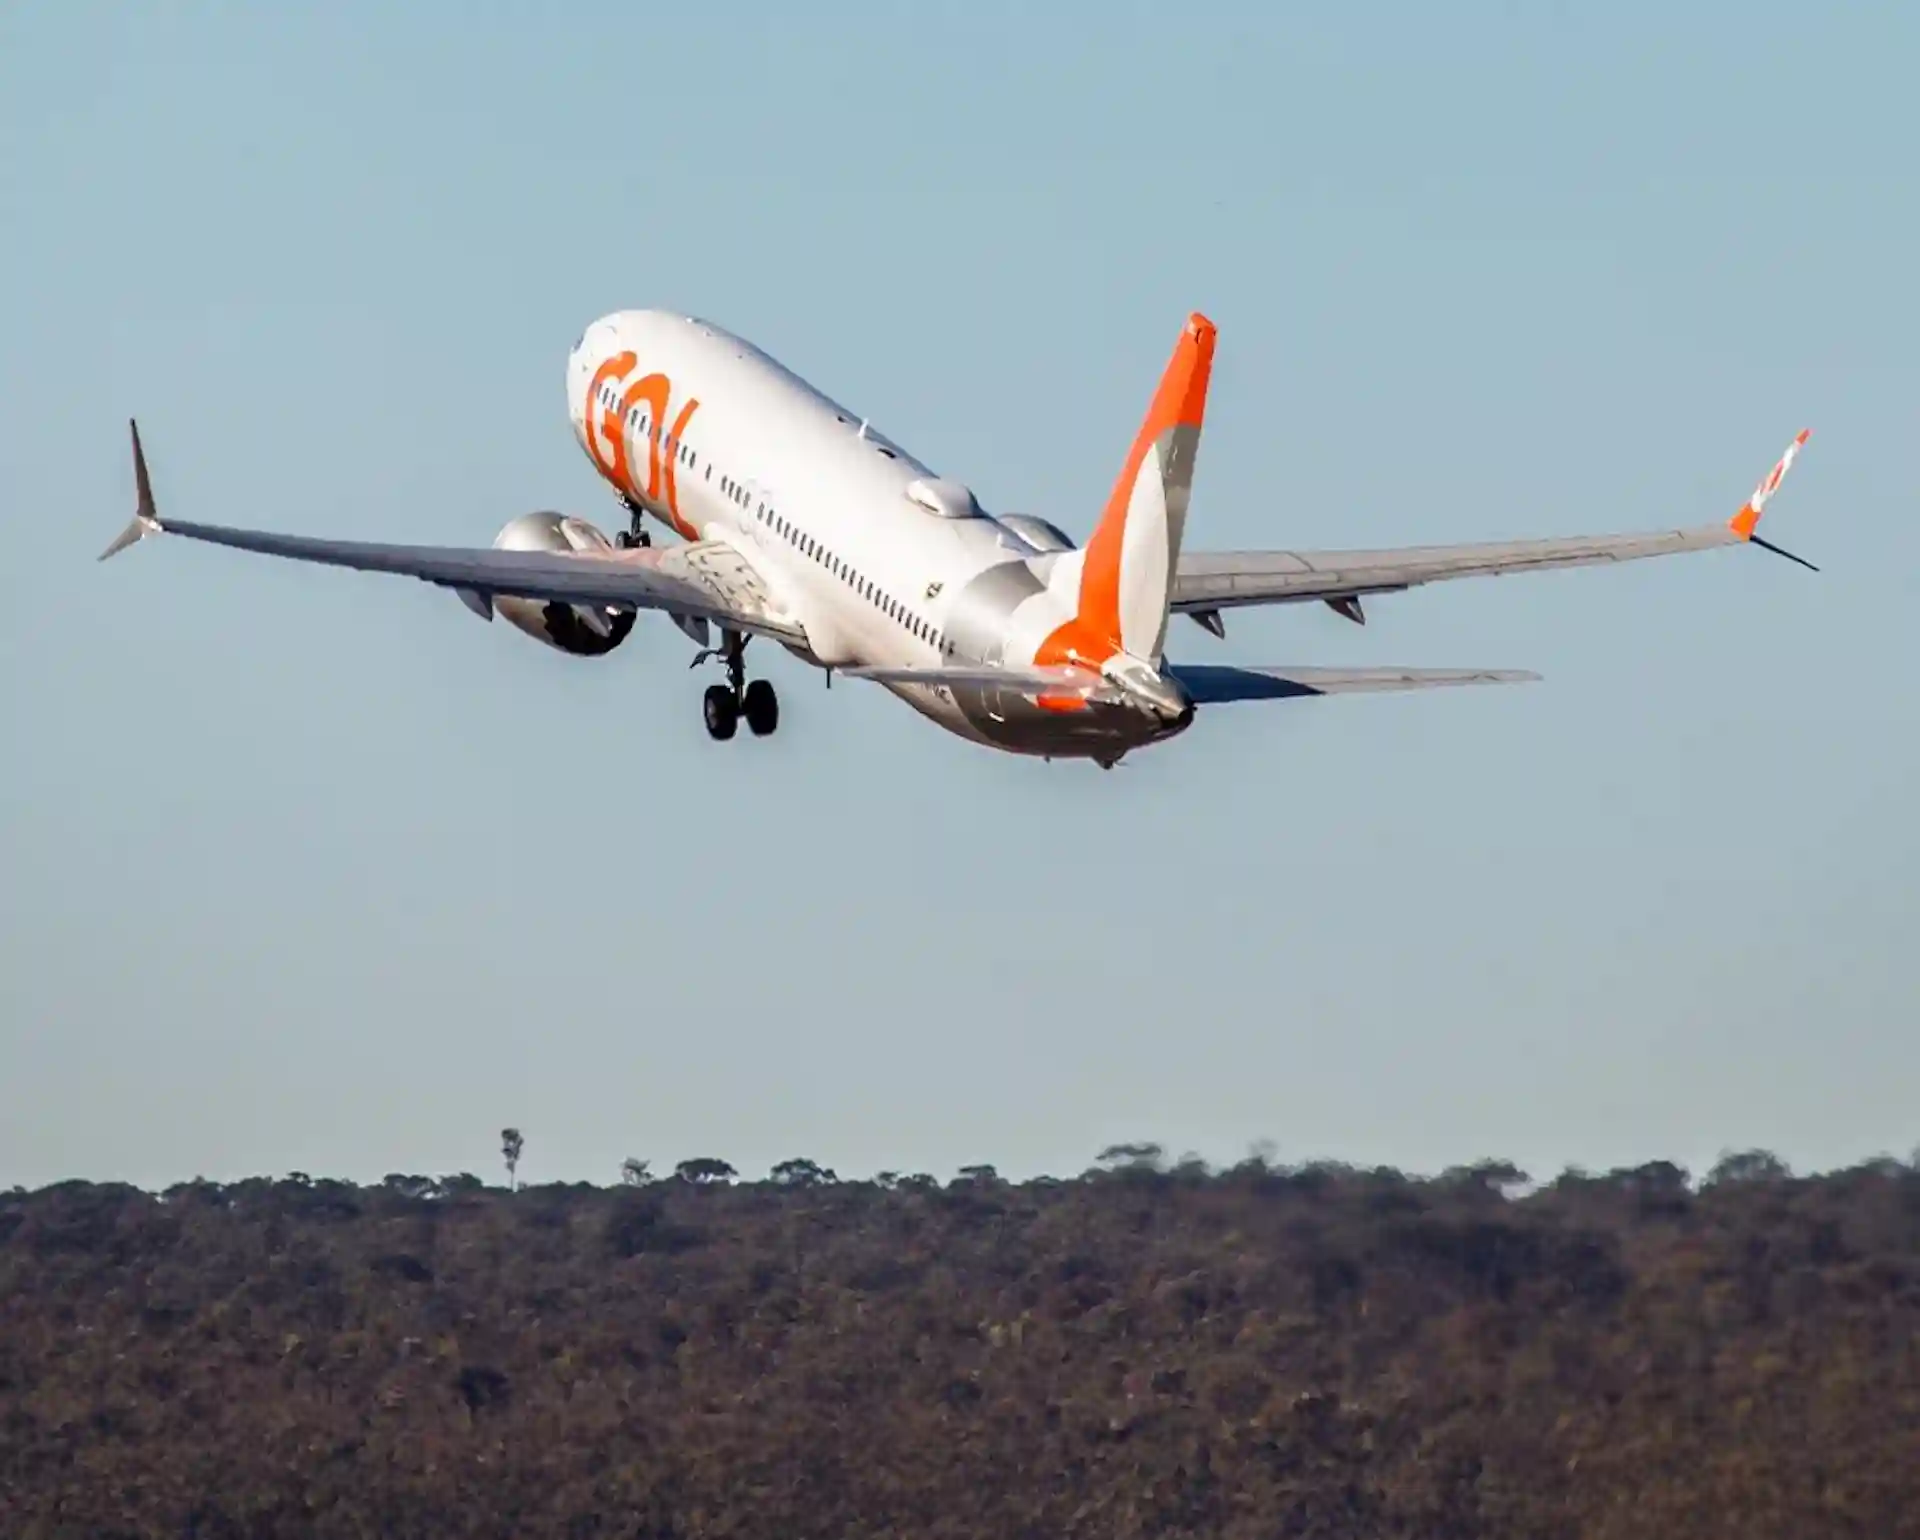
(585, 630)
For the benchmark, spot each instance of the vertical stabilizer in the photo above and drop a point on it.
(1126, 579)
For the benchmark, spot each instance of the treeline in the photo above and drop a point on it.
(1146, 1350)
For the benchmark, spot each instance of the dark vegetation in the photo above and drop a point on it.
(1259, 1352)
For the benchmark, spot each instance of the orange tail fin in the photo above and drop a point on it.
(1126, 577)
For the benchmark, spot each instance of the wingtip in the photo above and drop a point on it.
(141, 526)
(1747, 520)
(146, 520)
(142, 484)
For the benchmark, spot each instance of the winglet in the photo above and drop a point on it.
(146, 521)
(1747, 519)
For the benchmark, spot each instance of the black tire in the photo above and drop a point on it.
(722, 712)
(762, 708)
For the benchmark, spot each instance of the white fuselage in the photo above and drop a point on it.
(880, 561)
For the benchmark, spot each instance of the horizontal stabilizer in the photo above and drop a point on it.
(1212, 684)
(1037, 679)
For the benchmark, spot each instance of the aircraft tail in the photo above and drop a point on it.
(1127, 567)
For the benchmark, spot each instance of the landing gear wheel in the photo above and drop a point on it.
(762, 708)
(634, 537)
(722, 711)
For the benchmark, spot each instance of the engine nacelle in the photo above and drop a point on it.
(585, 630)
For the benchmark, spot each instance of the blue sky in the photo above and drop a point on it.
(307, 870)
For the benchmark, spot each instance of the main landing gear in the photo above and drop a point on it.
(725, 704)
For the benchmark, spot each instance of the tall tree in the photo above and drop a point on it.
(511, 1144)
(1146, 1155)
(1749, 1166)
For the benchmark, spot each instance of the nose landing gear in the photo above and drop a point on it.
(725, 704)
(634, 537)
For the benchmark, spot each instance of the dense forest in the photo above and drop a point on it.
(1146, 1350)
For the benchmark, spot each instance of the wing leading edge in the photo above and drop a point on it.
(643, 579)
(1209, 581)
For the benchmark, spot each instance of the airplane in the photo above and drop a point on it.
(801, 523)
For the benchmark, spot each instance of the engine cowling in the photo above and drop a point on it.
(585, 630)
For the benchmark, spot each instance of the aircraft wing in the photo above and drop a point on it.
(1207, 582)
(704, 580)
(1215, 684)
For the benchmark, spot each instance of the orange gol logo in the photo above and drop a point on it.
(607, 436)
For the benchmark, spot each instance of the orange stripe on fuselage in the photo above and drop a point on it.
(612, 458)
(653, 392)
(673, 460)
(1093, 635)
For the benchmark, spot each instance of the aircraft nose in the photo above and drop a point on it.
(594, 344)
(579, 370)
